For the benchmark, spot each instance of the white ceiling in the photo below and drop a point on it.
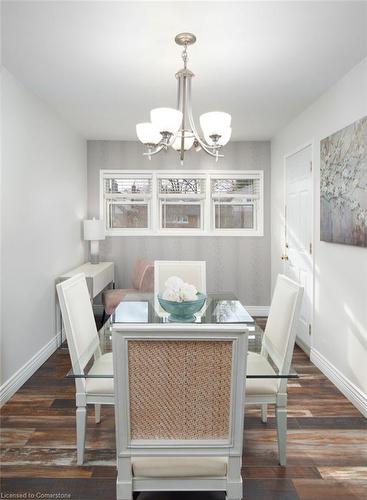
(104, 65)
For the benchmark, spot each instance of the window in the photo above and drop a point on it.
(191, 203)
(127, 202)
(181, 202)
(236, 203)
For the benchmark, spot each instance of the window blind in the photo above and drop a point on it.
(129, 187)
(183, 187)
(248, 188)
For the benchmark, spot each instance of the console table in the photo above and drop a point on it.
(98, 277)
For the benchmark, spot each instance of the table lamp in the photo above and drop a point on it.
(93, 232)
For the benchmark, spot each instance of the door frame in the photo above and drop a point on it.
(311, 144)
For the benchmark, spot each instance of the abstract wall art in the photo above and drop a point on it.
(343, 185)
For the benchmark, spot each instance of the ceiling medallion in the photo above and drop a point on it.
(175, 128)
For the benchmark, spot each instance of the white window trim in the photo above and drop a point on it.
(207, 223)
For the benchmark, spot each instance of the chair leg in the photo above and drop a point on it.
(234, 489)
(264, 413)
(124, 490)
(281, 414)
(234, 492)
(97, 413)
(81, 420)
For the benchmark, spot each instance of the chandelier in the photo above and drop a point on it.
(175, 128)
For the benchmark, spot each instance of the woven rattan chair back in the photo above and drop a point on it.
(179, 389)
(179, 395)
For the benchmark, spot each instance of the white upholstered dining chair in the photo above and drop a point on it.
(179, 409)
(83, 343)
(190, 271)
(278, 342)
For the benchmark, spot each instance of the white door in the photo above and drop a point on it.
(298, 260)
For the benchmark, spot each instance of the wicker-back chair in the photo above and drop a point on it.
(179, 409)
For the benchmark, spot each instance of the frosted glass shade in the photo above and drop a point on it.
(94, 230)
(188, 142)
(215, 123)
(223, 140)
(147, 133)
(166, 119)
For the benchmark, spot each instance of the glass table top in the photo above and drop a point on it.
(143, 308)
(219, 309)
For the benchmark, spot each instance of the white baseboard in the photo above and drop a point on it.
(350, 391)
(10, 387)
(258, 310)
(305, 348)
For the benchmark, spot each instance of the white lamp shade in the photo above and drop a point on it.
(94, 230)
(215, 123)
(166, 119)
(223, 140)
(188, 142)
(147, 133)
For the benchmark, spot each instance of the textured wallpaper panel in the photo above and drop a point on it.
(238, 264)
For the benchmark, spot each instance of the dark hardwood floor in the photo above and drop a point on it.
(327, 444)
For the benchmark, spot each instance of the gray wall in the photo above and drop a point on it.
(43, 201)
(239, 264)
(339, 330)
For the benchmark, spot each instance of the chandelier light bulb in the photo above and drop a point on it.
(147, 133)
(166, 119)
(188, 142)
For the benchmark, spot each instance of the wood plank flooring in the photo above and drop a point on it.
(327, 444)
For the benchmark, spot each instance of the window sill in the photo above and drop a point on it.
(226, 233)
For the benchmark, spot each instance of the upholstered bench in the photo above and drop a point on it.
(143, 281)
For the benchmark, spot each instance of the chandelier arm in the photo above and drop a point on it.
(205, 146)
(155, 151)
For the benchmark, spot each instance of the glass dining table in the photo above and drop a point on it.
(221, 310)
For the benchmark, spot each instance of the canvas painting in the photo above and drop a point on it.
(343, 185)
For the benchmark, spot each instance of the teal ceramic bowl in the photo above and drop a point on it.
(182, 312)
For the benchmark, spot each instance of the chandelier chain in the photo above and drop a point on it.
(185, 56)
